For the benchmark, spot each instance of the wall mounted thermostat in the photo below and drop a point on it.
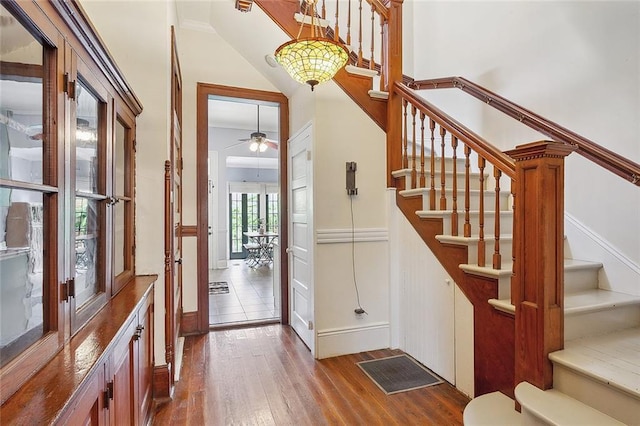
(351, 178)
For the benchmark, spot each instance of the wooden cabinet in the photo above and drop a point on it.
(103, 376)
(129, 388)
(87, 407)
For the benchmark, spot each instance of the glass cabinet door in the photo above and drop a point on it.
(28, 193)
(89, 146)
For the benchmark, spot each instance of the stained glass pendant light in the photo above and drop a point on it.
(315, 59)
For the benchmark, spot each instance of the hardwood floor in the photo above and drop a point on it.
(266, 376)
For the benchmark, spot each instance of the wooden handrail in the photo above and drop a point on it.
(492, 154)
(600, 155)
(380, 8)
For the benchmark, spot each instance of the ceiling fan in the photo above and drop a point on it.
(259, 141)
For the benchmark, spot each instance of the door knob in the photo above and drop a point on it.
(288, 250)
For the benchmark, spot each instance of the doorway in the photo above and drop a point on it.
(242, 135)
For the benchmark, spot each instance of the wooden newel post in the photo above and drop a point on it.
(537, 288)
(393, 49)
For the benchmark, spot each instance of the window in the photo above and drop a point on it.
(244, 216)
(272, 212)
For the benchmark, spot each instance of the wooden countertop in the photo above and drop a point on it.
(45, 396)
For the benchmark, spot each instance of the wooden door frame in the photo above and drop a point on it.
(173, 308)
(204, 90)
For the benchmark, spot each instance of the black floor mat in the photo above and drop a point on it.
(218, 287)
(398, 373)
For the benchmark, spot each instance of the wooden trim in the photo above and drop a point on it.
(615, 163)
(189, 231)
(75, 17)
(202, 153)
(161, 382)
(168, 263)
(538, 294)
(20, 70)
(393, 31)
(189, 324)
(482, 147)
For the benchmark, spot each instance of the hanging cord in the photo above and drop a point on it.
(359, 310)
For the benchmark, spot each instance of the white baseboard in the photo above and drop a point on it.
(222, 264)
(620, 272)
(179, 351)
(350, 340)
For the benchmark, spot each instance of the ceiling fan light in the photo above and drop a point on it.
(254, 146)
(263, 147)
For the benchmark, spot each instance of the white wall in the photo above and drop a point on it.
(576, 63)
(344, 133)
(138, 36)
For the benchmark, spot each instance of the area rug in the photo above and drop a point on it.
(218, 287)
(398, 373)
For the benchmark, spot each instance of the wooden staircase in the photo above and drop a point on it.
(494, 220)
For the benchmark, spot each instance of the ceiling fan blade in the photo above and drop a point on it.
(238, 143)
(271, 143)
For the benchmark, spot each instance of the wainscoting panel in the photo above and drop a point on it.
(427, 305)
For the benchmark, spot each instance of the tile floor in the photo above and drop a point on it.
(250, 296)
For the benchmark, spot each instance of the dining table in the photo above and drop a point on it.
(263, 241)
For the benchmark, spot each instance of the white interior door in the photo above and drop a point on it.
(300, 236)
(213, 209)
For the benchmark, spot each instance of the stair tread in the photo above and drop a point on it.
(428, 213)
(575, 264)
(404, 172)
(555, 407)
(366, 72)
(581, 302)
(379, 94)
(458, 239)
(418, 191)
(493, 408)
(486, 271)
(503, 305)
(596, 299)
(611, 358)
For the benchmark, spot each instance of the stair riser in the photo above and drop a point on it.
(505, 251)
(608, 399)
(601, 322)
(448, 164)
(474, 182)
(474, 200)
(576, 280)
